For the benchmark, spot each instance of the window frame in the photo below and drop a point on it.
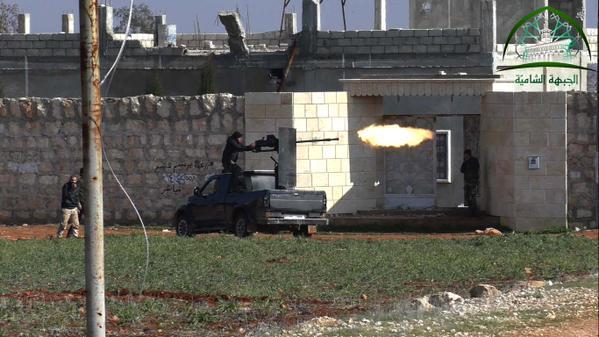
(206, 184)
(447, 134)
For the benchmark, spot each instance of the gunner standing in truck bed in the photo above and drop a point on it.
(231, 152)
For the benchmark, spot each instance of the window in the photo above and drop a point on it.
(210, 188)
(262, 182)
(443, 147)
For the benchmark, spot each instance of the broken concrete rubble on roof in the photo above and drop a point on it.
(234, 27)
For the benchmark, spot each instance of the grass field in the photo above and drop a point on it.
(262, 280)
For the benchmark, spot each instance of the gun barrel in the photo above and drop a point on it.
(316, 140)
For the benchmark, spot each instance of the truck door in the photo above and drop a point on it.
(203, 210)
(218, 203)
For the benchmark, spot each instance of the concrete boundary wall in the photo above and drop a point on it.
(199, 41)
(395, 41)
(582, 161)
(160, 148)
(62, 44)
(399, 41)
(39, 45)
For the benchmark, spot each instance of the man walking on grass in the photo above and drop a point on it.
(70, 206)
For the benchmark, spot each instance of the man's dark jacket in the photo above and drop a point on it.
(231, 151)
(71, 197)
(470, 169)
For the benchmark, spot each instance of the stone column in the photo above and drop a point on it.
(159, 23)
(291, 23)
(24, 23)
(488, 26)
(380, 14)
(68, 23)
(106, 19)
(311, 15)
(106, 26)
(167, 36)
(310, 26)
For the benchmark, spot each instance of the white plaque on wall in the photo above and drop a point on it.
(534, 162)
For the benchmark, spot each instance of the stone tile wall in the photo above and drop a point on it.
(160, 148)
(399, 41)
(394, 41)
(582, 159)
(367, 164)
(39, 45)
(345, 169)
(513, 127)
(62, 44)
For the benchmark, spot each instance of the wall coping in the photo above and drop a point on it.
(418, 86)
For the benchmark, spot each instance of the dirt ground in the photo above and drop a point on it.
(45, 232)
(581, 328)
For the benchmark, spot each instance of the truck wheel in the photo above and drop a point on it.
(241, 226)
(182, 227)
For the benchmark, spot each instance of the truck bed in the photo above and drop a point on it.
(297, 201)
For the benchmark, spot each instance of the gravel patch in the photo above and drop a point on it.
(521, 308)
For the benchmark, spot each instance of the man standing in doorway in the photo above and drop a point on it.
(70, 206)
(470, 169)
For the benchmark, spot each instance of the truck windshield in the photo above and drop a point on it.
(260, 182)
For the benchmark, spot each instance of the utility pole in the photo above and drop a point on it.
(285, 4)
(343, 13)
(92, 167)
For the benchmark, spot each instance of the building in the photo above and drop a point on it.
(443, 78)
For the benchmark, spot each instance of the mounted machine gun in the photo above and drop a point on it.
(270, 143)
(285, 146)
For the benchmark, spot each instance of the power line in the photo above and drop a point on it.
(118, 57)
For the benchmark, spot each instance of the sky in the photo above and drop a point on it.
(264, 15)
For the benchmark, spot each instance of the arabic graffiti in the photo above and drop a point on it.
(177, 175)
(171, 188)
(179, 178)
(183, 166)
(540, 79)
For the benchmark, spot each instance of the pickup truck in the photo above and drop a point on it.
(249, 203)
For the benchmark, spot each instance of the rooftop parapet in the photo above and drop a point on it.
(398, 41)
(66, 43)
